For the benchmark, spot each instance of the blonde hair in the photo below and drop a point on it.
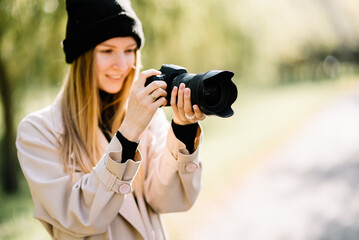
(81, 112)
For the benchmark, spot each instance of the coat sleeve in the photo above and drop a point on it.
(82, 207)
(173, 181)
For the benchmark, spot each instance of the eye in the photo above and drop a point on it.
(106, 50)
(130, 50)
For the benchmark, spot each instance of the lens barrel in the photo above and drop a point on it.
(213, 91)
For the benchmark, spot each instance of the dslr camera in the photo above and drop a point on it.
(213, 91)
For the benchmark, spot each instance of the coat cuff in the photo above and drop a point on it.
(183, 160)
(117, 177)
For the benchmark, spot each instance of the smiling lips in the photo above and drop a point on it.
(115, 77)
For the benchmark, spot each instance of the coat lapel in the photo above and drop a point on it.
(129, 210)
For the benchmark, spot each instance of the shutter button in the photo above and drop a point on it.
(124, 188)
(191, 167)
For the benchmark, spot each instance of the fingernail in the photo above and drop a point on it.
(195, 107)
(187, 91)
(182, 86)
(174, 89)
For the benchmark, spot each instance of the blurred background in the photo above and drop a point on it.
(285, 166)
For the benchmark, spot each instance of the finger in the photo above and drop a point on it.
(173, 101)
(155, 85)
(180, 104)
(157, 93)
(199, 114)
(187, 102)
(162, 101)
(146, 74)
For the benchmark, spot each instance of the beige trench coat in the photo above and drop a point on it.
(102, 204)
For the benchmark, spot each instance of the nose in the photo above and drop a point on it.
(120, 62)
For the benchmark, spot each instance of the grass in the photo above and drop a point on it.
(232, 148)
(16, 221)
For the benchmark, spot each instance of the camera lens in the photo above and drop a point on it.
(212, 93)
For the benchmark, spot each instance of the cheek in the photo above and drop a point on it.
(98, 68)
(100, 63)
(131, 60)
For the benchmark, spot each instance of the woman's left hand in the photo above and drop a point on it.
(183, 111)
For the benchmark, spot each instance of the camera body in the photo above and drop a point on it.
(213, 91)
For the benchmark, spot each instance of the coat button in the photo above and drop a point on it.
(191, 167)
(124, 188)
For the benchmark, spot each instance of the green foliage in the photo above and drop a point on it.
(196, 34)
(30, 41)
(16, 216)
(11, 205)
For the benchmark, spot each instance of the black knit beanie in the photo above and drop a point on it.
(91, 22)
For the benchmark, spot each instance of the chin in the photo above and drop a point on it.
(112, 89)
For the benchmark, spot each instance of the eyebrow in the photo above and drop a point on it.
(113, 46)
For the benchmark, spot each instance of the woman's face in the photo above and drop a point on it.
(114, 59)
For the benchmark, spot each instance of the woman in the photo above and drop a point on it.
(103, 162)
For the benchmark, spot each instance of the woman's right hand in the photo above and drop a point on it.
(143, 102)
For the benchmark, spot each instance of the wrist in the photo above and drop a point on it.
(129, 132)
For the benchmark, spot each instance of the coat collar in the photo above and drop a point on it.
(57, 116)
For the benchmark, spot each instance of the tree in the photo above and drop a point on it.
(29, 36)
